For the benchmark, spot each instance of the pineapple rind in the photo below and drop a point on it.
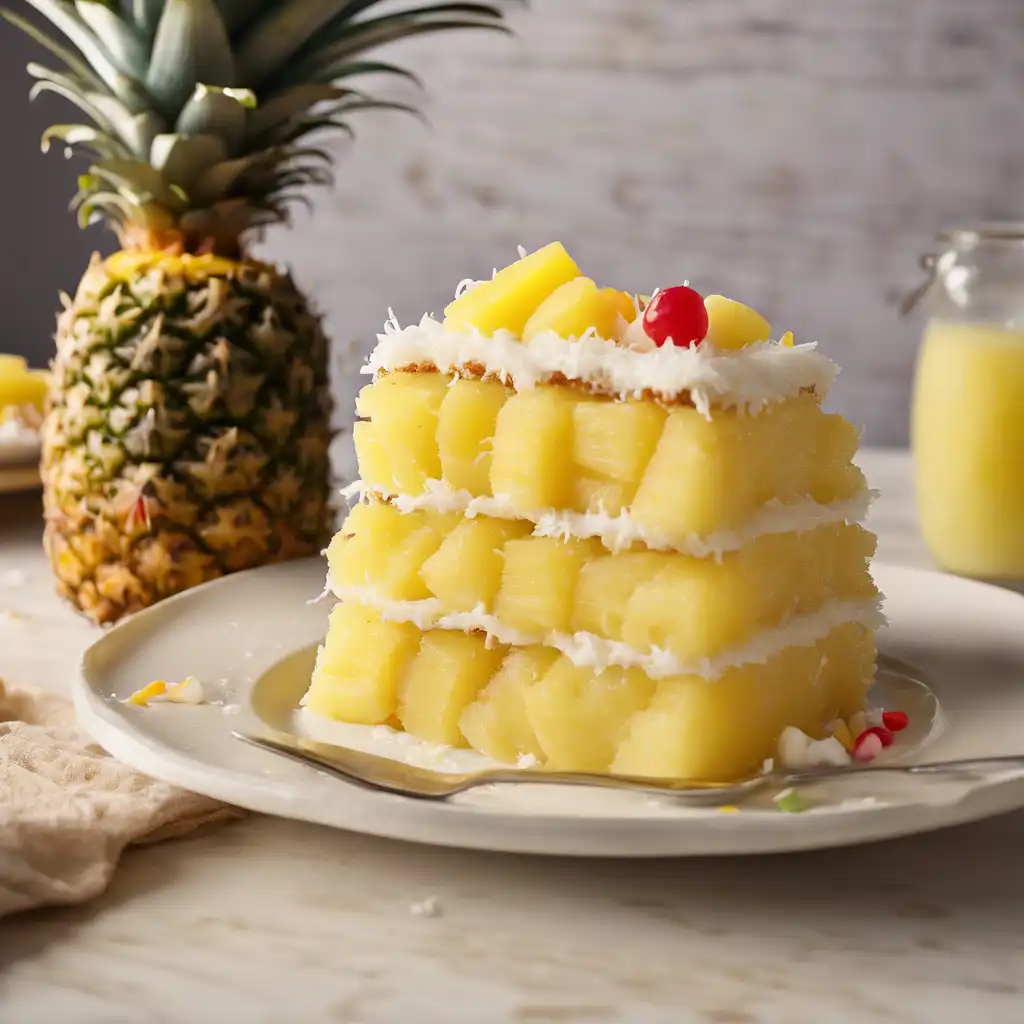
(188, 432)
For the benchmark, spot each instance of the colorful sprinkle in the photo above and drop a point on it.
(895, 721)
(789, 801)
(867, 746)
(882, 733)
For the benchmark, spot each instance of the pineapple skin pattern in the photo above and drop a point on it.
(189, 413)
(188, 430)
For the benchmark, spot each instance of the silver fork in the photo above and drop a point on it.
(384, 775)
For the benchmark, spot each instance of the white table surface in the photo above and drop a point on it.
(272, 920)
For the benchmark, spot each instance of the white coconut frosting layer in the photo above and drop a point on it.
(748, 378)
(619, 532)
(586, 650)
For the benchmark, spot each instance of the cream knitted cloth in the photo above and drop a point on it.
(68, 809)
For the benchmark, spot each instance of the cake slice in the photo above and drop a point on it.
(600, 531)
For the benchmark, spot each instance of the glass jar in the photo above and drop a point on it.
(967, 426)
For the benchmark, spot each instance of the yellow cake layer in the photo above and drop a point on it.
(692, 607)
(557, 447)
(450, 688)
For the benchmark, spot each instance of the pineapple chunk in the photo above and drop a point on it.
(497, 722)
(508, 300)
(733, 325)
(714, 475)
(696, 607)
(593, 495)
(381, 548)
(693, 608)
(787, 339)
(21, 386)
(372, 457)
(725, 729)
(623, 302)
(445, 676)
(538, 582)
(13, 366)
(615, 440)
(465, 433)
(604, 586)
(403, 410)
(573, 309)
(360, 551)
(579, 717)
(697, 475)
(359, 667)
(466, 569)
(532, 446)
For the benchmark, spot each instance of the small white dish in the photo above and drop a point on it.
(249, 638)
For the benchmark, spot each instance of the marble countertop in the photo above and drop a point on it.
(277, 921)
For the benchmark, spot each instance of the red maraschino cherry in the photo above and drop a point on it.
(677, 315)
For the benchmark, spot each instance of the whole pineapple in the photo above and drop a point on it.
(189, 412)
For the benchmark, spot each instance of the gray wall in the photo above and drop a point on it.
(797, 154)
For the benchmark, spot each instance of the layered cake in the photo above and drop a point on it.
(600, 531)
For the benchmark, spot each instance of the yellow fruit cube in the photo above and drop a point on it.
(590, 494)
(533, 448)
(379, 547)
(787, 339)
(733, 325)
(508, 300)
(443, 678)
(497, 723)
(725, 729)
(615, 440)
(12, 366)
(465, 433)
(697, 480)
(623, 302)
(579, 718)
(21, 386)
(574, 308)
(361, 550)
(604, 586)
(538, 582)
(466, 569)
(401, 439)
(359, 667)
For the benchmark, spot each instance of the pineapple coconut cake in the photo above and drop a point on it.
(603, 532)
(189, 407)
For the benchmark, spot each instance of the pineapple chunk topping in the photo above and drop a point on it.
(732, 325)
(21, 387)
(579, 306)
(508, 300)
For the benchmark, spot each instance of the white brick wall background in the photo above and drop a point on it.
(795, 154)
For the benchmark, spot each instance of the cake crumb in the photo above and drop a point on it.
(527, 761)
(426, 908)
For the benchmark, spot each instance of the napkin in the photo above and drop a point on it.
(68, 809)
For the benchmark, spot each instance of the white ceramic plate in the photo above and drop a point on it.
(249, 639)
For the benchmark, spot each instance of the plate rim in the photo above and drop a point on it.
(469, 826)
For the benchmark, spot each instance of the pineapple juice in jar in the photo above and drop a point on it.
(967, 426)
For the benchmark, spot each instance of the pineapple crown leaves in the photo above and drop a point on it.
(199, 112)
